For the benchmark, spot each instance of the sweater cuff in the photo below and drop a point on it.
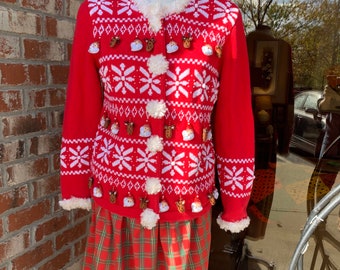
(76, 203)
(233, 227)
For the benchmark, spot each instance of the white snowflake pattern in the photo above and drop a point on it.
(146, 161)
(150, 82)
(250, 178)
(80, 156)
(105, 78)
(105, 151)
(202, 85)
(62, 157)
(234, 178)
(226, 11)
(198, 7)
(98, 6)
(173, 163)
(123, 78)
(208, 157)
(126, 6)
(214, 90)
(122, 157)
(177, 83)
(195, 164)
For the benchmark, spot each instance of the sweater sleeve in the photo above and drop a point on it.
(234, 133)
(81, 116)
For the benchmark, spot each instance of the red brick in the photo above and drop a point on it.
(51, 227)
(12, 74)
(10, 101)
(18, 74)
(13, 198)
(33, 257)
(28, 215)
(56, 162)
(57, 118)
(39, 5)
(45, 144)
(2, 232)
(57, 97)
(11, 151)
(79, 247)
(45, 187)
(23, 124)
(37, 99)
(71, 235)
(14, 246)
(24, 171)
(20, 22)
(51, 26)
(9, 47)
(37, 74)
(59, 74)
(35, 49)
(58, 262)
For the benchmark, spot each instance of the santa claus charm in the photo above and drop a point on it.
(196, 206)
(163, 206)
(115, 127)
(188, 133)
(97, 192)
(171, 47)
(94, 48)
(128, 201)
(145, 131)
(136, 45)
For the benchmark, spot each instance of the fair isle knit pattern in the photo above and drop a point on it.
(139, 134)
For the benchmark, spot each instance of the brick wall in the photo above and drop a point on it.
(35, 47)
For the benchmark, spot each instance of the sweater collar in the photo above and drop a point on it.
(156, 10)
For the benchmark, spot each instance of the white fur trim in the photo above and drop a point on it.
(154, 144)
(153, 185)
(157, 64)
(156, 10)
(75, 203)
(156, 109)
(149, 218)
(234, 227)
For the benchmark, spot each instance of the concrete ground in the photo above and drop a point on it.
(287, 217)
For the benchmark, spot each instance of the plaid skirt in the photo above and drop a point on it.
(121, 243)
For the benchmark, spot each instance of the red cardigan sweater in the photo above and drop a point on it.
(138, 133)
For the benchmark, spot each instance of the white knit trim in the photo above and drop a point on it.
(234, 227)
(156, 10)
(157, 64)
(153, 185)
(149, 218)
(156, 109)
(75, 203)
(154, 144)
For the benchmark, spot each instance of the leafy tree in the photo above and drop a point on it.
(311, 27)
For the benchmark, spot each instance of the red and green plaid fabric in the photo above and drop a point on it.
(121, 243)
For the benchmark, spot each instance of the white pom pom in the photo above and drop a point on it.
(153, 185)
(234, 227)
(149, 218)
(156, 109)
(154, 144)
(75, 203)
(158, 64)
